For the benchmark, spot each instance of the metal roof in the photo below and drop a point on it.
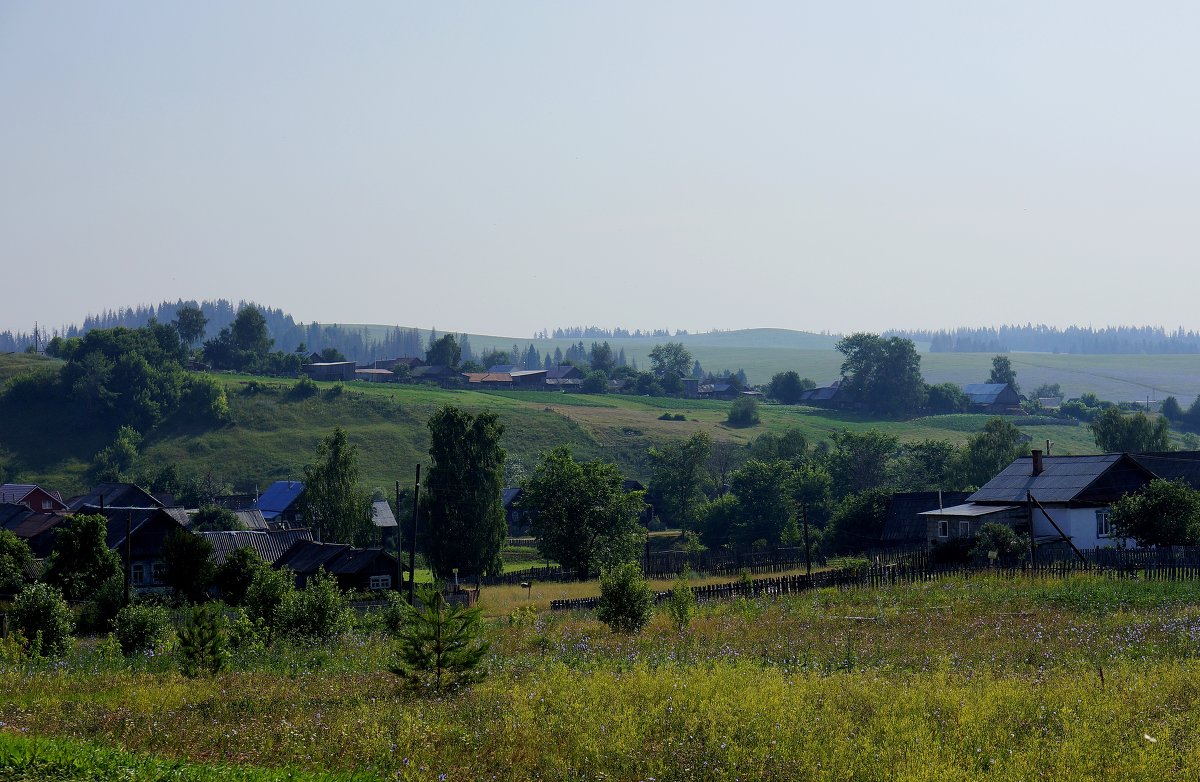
(307, 556)
(903, 521)
(17, 492)
(968, 510)
(270, 545)
(509, 494)
(251, 519)
(278, 497)
(1173, 465)
(115, 495)
(984, 393)
(381, 514)
(1103, 477)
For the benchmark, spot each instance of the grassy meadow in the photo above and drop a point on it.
(1071, 679)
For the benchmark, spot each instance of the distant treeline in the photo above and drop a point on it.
(1051, 339)
(595, 332)
(355, 344)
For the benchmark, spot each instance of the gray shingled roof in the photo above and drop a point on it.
(1173, 465)
(1065, 479)
(381, 514)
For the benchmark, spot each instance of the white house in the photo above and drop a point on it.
(1075, 492)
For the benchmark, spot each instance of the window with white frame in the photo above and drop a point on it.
(943, 529)
(1103, 523)
(381, 582)
(157, 572)
(964, 529)
(137, 574)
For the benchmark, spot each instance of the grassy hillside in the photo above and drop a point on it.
(273, 435)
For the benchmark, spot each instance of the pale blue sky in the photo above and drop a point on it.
(504, 167)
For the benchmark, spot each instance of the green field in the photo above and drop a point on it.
(986, 678)
(764, 352)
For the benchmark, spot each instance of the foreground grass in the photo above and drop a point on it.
(984, 678)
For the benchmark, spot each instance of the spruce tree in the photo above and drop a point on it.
(440, 644)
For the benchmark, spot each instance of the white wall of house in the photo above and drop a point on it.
(1085, 526)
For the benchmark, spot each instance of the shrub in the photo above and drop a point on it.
(42, 616)
(681, 604)
(267, 591)
(626, 601)
(743, 412)
(317, 611)
(203, 643)
(140, 628)
(440, 644)
(304, 389)
(204, 398)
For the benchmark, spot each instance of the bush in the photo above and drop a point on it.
(319, 610)
(743, 412)
(42, 616)
(204, 398)
(141, 628)
(681, 604)
(267, 591)
(304, 389)
(203, 643)
(626, 601)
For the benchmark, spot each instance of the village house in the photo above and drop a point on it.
(1054, 498)
(281, 504)
(330, 370)
(32, 496)
(356, 569)
(997, 398)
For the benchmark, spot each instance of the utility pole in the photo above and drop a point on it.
(399, 544)
(412, 543)
(807, 554)
(128, 554)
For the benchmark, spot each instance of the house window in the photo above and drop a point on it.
(157, 571)
(381, 582)
(964, 529)
(47, 504)
(137, 573)
(1103, 525)
(943, 529)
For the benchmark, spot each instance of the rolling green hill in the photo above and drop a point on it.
(273, 435)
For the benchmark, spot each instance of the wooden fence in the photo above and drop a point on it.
(1135, 566)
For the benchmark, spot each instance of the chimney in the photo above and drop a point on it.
(1037, 463)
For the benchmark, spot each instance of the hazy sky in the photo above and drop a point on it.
(501, 167)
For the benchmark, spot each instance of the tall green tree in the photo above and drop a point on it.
(1116, 432)
(764, 504)
(445, 351)
(988, 452)
(189, 570)
(249, 332)
(582, 515)
(190, 322)
(335, 505)
(1164, 513)
(859, 460)
(671, 359)
(786, 387)
(15, 562)
(463, 516)
(678, 479)
(857, 522)
(601, 358)
(883, 374)
(1002, 372)
(81, 560)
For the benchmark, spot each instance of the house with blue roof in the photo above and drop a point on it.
(281, 504)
